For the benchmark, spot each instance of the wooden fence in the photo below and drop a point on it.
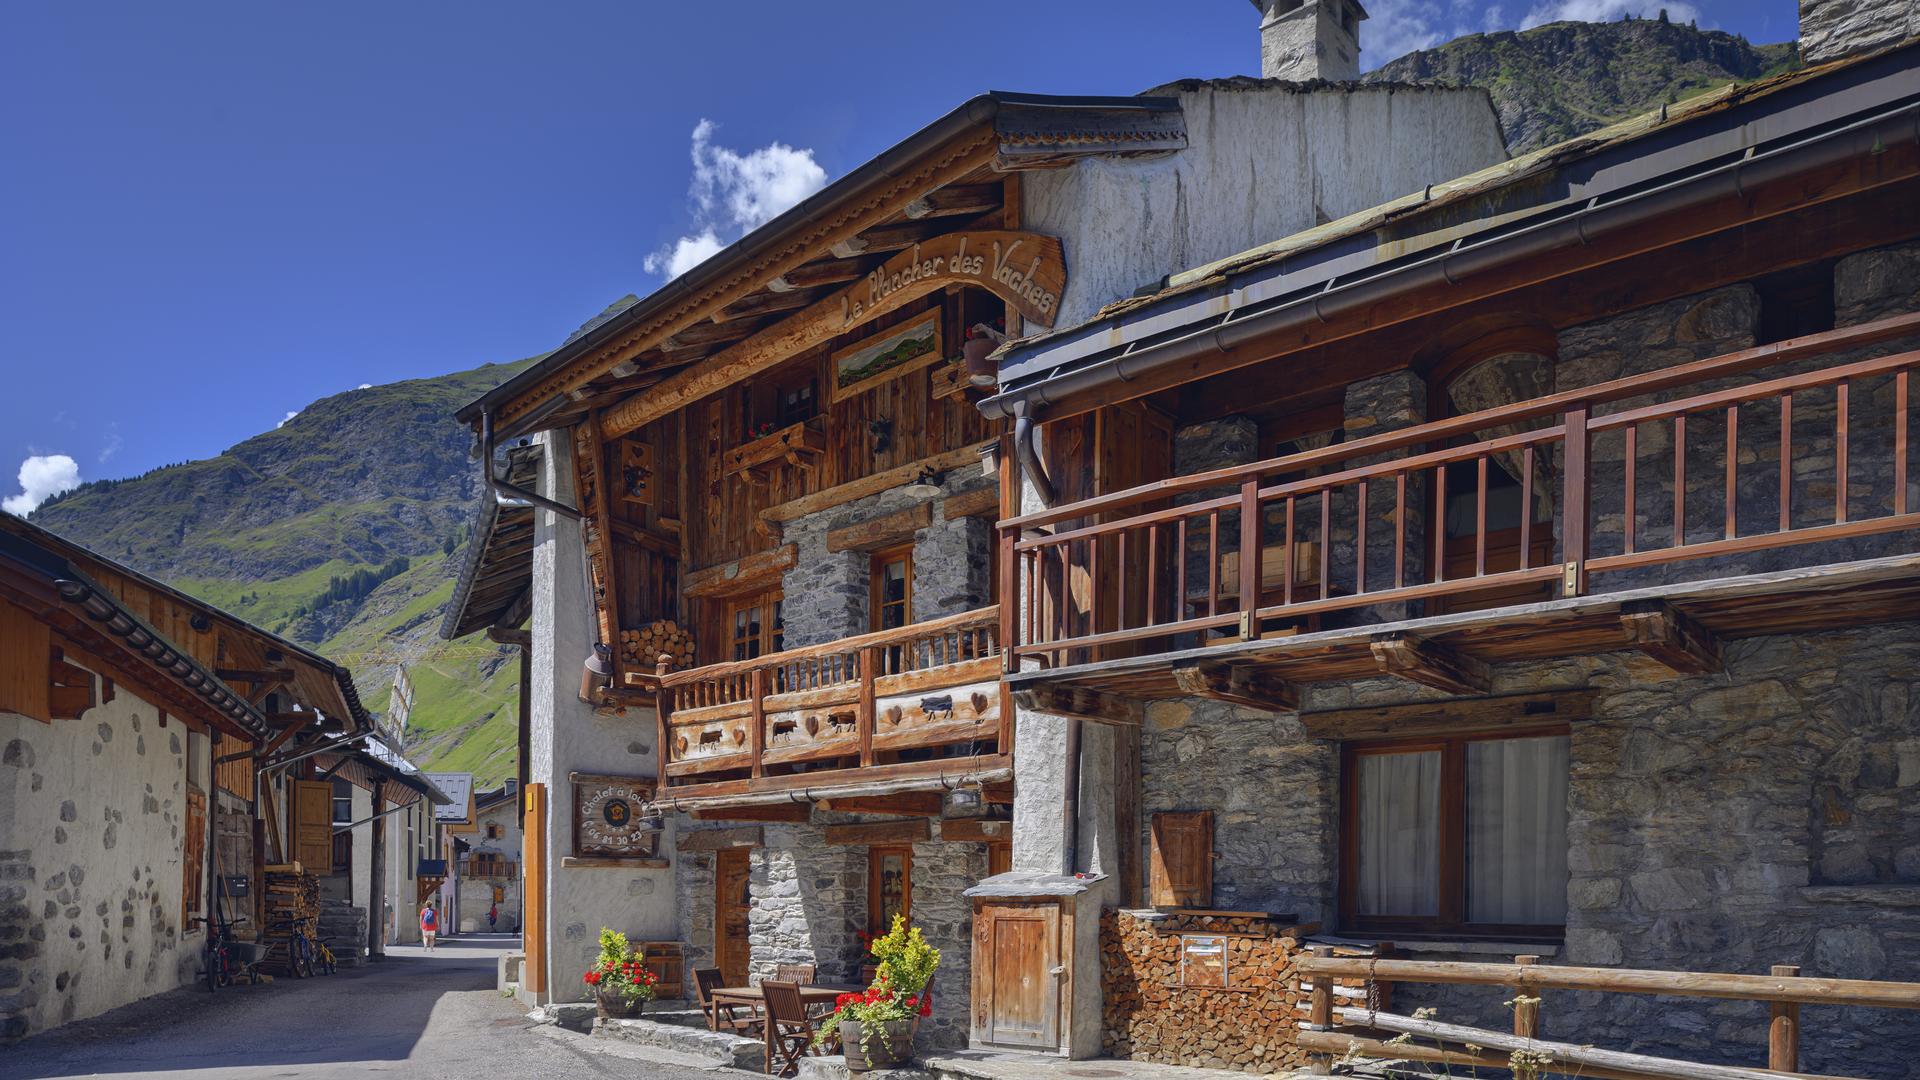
(1784, 989)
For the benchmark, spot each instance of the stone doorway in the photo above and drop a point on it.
(733, 871)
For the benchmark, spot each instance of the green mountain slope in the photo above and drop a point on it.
(343, 530)
(1564, 79)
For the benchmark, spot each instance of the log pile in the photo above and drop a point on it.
(292, 895)
(1151, 1014)
(641, 648)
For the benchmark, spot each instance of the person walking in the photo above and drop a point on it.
(429, 924)
(493, 917)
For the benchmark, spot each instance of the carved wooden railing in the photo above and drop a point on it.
(899, 695)
(1340, 528)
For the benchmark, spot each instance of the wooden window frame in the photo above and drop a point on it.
(1451, 921)
(767, 601)
(875, 855)
(903, 554)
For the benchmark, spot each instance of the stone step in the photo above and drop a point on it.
(692, 1039)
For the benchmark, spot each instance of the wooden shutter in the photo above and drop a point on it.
(533, 897)
(193, 856)
(1182, 859)
(313, 825)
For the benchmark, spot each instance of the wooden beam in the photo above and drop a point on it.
(883, 531)
(825, 272)
(69, 702)
(255, 675)
(954, 258)
(881, 832)
(998, 793)
(910, 803)
(1671, 636)
(976, 830)
(767, 303)
(1428, 663)
(740, 575)
(289, 719)
(1238, 685)
(1078, 702)
(956, 199)
(279, 740)
(870, 485)
(1454, 716)
(984, 500)
(720, 839)
(791, 812)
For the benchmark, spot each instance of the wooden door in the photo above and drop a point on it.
(732, 899)
(1016, 991)
(313, 825)
(1182, 859)
(533, 896)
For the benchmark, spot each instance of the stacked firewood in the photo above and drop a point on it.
(641, 648)
(292, 895)
(1153, 1012)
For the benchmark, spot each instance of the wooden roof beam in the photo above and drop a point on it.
(907, 803)
(1236, 685)
(1429, 663)
(1671, 636)
(796, 812)
(1079, 703)
(767, 303)
(955, 199)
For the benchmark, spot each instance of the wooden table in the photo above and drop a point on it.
(753, 998)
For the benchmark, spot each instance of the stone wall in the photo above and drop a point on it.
(809, 906)
(1149, 1015)
(92, 813)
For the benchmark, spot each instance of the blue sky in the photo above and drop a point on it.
(212, 214)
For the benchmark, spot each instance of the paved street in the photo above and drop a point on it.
(414, 1015)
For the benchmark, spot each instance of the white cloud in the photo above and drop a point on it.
(112, 443)
(734, 193)
(42, 476)
(1395, 28)
(364, 386)
(1606, 11)
(284, 419)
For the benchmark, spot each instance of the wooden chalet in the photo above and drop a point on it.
(1515, 569)
(148, 740)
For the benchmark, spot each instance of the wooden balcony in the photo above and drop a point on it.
(1667, 488)
(913, 704)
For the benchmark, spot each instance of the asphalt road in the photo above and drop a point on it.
(413, 1015)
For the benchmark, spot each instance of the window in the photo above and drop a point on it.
(493, 831)
(1795, 302)
(1456, 834)
(892, 585)
(889, 887)
(342, 802)
(755, 626)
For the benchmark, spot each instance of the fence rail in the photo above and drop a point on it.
(1625, 482)
(906, 693)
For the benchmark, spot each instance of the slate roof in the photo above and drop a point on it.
(459, 789)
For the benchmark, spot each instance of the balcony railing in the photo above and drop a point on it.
(488, 866)
(893, 702)
(1736, 467)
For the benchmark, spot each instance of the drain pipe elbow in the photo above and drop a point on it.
(1030, 466)
(507, 494)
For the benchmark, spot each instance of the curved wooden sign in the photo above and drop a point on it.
(1025, 269)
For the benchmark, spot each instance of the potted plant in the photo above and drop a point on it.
(876, 1026)
(621, 981)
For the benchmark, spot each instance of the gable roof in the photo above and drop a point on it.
(458, 787)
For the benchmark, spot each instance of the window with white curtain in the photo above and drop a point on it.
(1457, 834)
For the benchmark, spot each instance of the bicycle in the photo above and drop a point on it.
(226, 957)
(298, 945)
(323, 959)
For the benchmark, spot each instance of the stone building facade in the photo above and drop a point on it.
(489, 876)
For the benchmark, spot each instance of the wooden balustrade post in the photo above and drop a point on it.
(1320, 1011)
(1576, 490)
(1249, 558)
(662, 707)
(863, 716)
(757, 732)
(1526, 1014)
(1783, 1031)
(1011, 600)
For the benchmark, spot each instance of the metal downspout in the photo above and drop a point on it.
(507, 494)
(1024, 433)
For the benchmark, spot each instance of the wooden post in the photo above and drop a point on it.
(863, 718)
(1783, 1032)
(376, 879)
(1250, 558)
(1320, 1011)
(757, 733)
(1575, 489)
(1526, 1015)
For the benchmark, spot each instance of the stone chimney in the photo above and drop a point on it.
(1311, 39)
(1830, 29)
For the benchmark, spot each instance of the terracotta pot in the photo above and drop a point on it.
(614, 1005)
(979, 368)
(889, 1046)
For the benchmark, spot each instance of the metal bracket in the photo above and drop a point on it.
(1570, 579)
(1247, 621)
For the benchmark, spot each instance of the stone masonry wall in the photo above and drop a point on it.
(91, 816)
(809, 905)
(1722, 822)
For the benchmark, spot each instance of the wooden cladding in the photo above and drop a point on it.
(193, 856)
(1180, 862)
(1355, 496)
(23, 663)
(313, 822)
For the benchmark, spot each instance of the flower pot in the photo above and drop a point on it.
(890, 1044)
(980, 370)
(614, 1005)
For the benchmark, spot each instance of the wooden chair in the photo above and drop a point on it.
(724, 1016)
(789, 1033)
(803, 974)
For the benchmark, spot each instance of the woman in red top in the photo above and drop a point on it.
(429, 924)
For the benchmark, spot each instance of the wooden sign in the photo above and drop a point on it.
(606, 817)
(1025, 269)
(866, 364)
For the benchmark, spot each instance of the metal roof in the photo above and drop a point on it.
(496, 579)
(458, 787)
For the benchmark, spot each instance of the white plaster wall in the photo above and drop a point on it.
(1263, 161)
(567, 737)
(476, 894)
(92, 814)
(403, 915)
(363, 851)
